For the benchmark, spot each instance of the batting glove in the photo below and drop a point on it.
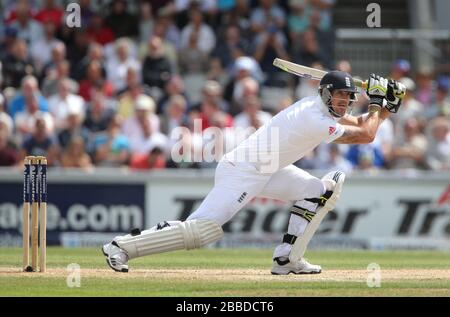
(376, 90)
(394, 95)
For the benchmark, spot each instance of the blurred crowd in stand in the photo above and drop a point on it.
(141, 83)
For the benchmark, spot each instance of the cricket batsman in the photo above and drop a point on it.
(261, 166)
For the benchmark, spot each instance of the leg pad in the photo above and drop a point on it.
(301, 243)
(190, 234)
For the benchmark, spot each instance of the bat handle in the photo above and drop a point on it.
(360, 83)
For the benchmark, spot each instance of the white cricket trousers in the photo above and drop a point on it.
(236, 184)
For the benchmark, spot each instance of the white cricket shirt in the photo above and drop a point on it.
(288, 136)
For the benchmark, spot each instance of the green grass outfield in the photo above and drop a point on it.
(226, 272)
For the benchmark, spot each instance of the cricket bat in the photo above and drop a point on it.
(308, 72)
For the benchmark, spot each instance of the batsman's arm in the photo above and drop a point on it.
(361, 129)
(348, 119)
(351, 120)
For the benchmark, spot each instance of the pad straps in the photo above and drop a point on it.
(322, 199)
(302, 212)
(289, 238)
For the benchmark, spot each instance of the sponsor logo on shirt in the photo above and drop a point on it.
(331, 130)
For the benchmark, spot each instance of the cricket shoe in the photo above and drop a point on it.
(282, 266)
(115, 257)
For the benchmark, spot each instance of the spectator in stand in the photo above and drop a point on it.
(268, 21)
(210, 11)
(232, 47)
(65, 102)
(60, 73)
(169, 48)
(66, 35)
(30, 90)
(174, 115)
(50, 12)
(121, 22)
(244, 88)
(410, 147)
(305, 50)
(24, 120)
(40, 143)
(73, 128)
(10, 9)
(424, 91)
(344, 66)
(438, 150)
(206, 37)
(28, 29)
(298, 18)
(77, 50)
(94, 79)
(193, 65)
(156, 70)
(154, 159)
(384, 140)
(95, 53)
(160, 6)
(86, 12)
(41, 50)
(146, 22)
(142, 129)
(365, 156)
(210, 106)
(17, 65)
(111, 148)
(166, 29)
(7, 40)
(309, 161)
(98, 31)
(99, 113)
(75, 155)
(267, 15)
(325, 38)
(119, 64)
(441, 104)
(269, 45)
(336, 160)
(58, 54)
(325, 7)
(243, 67)
(192, 60)
(400, 68)
(239, 15)
(175, 86)
(252, 116)
(9, 154)
(411, 107)
(212, 93)
(216, 72)
(127, 96)
(330, 157)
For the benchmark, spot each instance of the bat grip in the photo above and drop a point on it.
(360, 83)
